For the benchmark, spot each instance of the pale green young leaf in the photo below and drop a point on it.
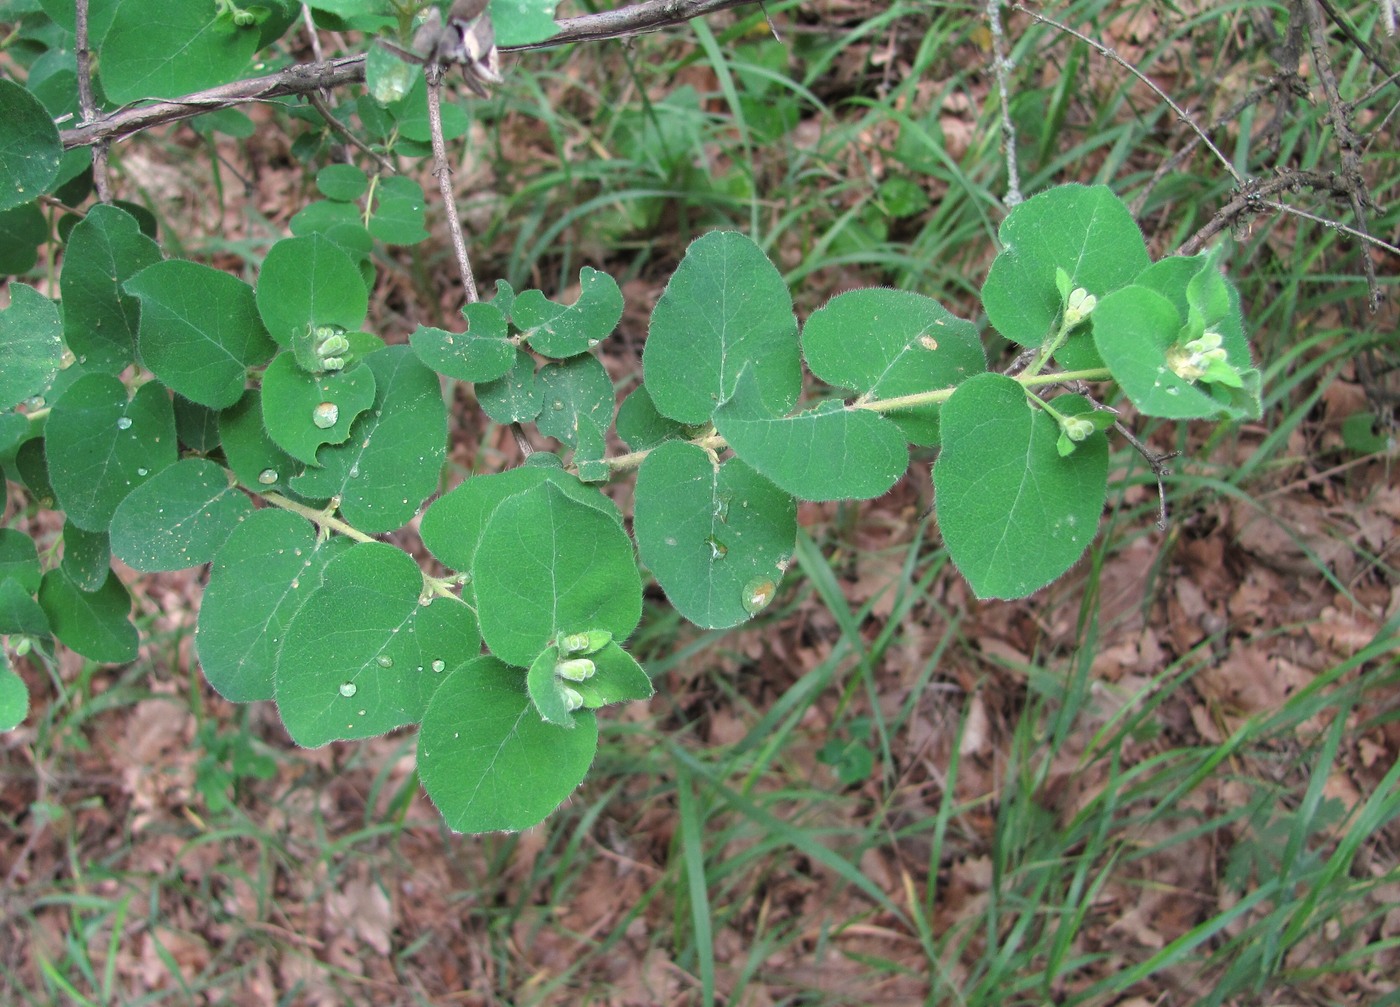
(200, 330)
(31, 342)
(826, 453)
(547, 691)
(1014, 514)
(178, 518)
(488, 761)
(398, 214)
(100, 447)
(617, 678)
(708, 531)
(548, 564)
(521, 22)
(725, 309)
(363, 655)
(261, 577)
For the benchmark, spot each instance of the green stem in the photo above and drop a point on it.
(320, 518)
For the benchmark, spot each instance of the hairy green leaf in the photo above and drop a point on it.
(93, 624)
(711, 532)
(558, 330)
(725, 309)
(488, 761)
(1014, 514)
(100, 319)
(31, 339)
(29, 147)
(179, 518)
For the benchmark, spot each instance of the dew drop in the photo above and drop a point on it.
(718, 550)
(757, 594)
(325, 415)
(384, 661)
(928, 342)
(123, 422)
(439, 666)
(267, 476)
(557, 406)
(143, 472)
(348, 689)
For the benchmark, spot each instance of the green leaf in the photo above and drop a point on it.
(306, 282)
(548, 565)
(264, 573)
(303, 411)
(259, 463)
(14, 697)
(363, 655)
(725, 309)
(397, 217)
(482, 353)
(200, 330)
(640, 425)
(19, 559)
(617, 678)
(87, 556)
(197, 426)
(488, 761)
(521, 22)
(513, 397)
(709, 531)
(1013, 513)
(887, 343)
(342, 181)
(93, 624)
(1086, 231)
(452, 525)
(578, 399)
(557, 330)
(826, 453)
(23, 229)
(31, 339)
(29, 147)
(100, 447)
(547, 691)
(1135, 330)
(388, 77)
(179, 518)
(20, 614)
(395, 454)
(186, 46)
(412, 115)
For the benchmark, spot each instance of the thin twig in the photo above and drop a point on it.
(1109, 54)
(1001, 67)
(87, 102)
(443, 171)
(345, 133)
(297, 80)
(1339, 114)
(1157, 463)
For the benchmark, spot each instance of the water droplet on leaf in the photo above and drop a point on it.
(325, 415)
(348, 689)
(384, 661)
(267, 476)
(439, 666)
(718, 550)
(757, 594)
(123, 422)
